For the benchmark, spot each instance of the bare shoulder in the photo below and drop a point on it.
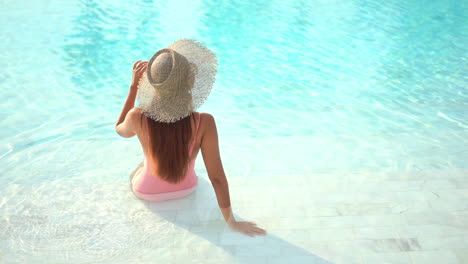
(134, 117)
(136, 110)
(206, 117)
(207, 124)
(206, 120)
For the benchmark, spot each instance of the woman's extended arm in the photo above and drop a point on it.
(214, 167)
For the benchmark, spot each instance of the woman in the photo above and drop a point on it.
(169, 87)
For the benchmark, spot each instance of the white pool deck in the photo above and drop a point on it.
(399, 217)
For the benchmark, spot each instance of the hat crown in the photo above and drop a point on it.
(161, 67)
(168, 70)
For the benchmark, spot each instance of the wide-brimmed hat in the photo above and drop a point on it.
(177, 81)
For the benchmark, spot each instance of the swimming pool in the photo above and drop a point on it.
(303, 87)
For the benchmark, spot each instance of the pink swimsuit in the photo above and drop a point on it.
(151, 188)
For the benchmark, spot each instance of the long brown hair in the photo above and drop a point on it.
(168, 147)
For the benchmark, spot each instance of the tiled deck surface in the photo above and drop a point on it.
(400, 217)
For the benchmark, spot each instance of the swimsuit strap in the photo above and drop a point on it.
(198, 124)
(195, 136)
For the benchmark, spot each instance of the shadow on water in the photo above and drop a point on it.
(195, 210)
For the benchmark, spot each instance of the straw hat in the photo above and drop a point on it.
(177, 81)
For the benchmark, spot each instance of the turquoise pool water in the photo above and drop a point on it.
(303, 87)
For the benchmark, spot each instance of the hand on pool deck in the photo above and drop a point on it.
(247, 228)
(244, 227)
